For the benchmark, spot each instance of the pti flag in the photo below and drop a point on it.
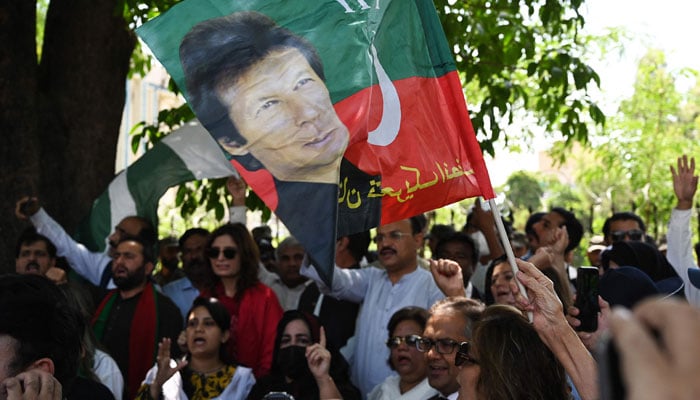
(188, 153)
(341, 115)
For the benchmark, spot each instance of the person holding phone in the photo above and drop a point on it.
(302, 366)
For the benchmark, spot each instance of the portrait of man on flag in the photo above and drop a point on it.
(259, 89)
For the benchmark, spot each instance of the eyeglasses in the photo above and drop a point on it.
(394, 236)
(462, 357)
(633, 234)
(229, 252)
(442, 346)
(396, 341)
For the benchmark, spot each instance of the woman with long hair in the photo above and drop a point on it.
(302, 366)
(254, 308)
(506, 360)
(207, 372)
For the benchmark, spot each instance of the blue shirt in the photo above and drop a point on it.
(182, 293)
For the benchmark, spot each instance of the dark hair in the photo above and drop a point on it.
(622, 216)
(148, 233)
(247, 251)
(358, 244)
(639, 255)
(30, 236)
(221, 317)
(191, 232)
(561, 285)
(416, 314)
(309, 320)
(418, 223)
(514, 362)
(216, 52)
(531, 221)
(573, 227)
(35, 313)
(462, 238)
(147, 248)
(488, 296)
(469, 309)
(79, 298)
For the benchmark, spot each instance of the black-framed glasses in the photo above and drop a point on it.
(229, 252)
(396, 341)
(633, 234)
(442, 346)
(462, 357)
(393, 235)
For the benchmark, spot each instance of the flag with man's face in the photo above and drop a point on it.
(393, 84)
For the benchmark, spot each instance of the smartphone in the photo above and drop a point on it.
(609, 377)
(587, 298)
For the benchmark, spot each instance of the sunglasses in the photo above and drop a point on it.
(633, 234)
(229, 252)
(396, 341)
(442, 346)
(462, 357)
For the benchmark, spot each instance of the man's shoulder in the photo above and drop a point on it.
(183, 283)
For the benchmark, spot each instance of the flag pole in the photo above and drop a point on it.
(505, 241)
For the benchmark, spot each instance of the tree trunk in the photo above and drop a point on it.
(60, 117)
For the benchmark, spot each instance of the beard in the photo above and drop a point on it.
(132, 279)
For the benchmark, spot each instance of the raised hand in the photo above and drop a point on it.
(165, 369)
(237, 187)
(319, 358)
(685, 182)
(448, 277)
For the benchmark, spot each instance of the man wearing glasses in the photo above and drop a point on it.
(451, 322)
(384, 291)
(624, 227)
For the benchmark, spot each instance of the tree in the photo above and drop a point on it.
(61, 112)
(630, 169)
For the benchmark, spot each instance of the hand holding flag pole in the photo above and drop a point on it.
(509, 251)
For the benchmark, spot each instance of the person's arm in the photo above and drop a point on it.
(554, 330)
(680, 248)
(483, 220)
(166, 368)
(237, 187)
(272, 313)
(319, 360)
(86, 263)
(659, 350)
(348, 284)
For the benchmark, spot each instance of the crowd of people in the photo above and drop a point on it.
(229, 315)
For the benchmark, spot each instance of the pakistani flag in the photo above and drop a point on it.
(188, 153)
(392, 82)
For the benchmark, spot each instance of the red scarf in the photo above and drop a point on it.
(144, 338)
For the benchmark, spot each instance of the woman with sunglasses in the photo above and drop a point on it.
(207, 372)
(411, 383)
(254, 308)
(506, 360)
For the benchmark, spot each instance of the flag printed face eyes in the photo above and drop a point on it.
(283, 109)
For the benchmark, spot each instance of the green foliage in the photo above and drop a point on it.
(524, 191)
(628, 165)
(522, 57)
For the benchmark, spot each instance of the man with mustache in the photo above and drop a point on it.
(35, 254)
(93, 266)
(134, 317)
(400, 284)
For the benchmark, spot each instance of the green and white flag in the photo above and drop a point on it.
(188, 153)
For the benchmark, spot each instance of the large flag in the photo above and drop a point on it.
(390, 76)
(188, 153)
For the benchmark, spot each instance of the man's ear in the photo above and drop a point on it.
(149, 268)
(342, 243)
(45, 364)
